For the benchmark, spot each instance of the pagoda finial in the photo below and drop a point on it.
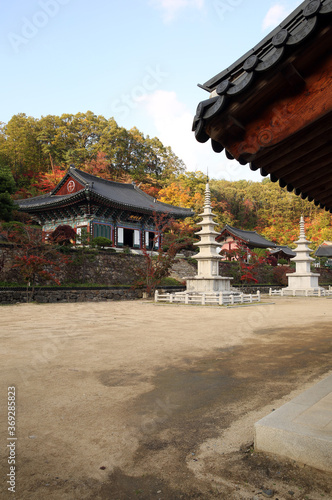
(302, 231)
(207, 202)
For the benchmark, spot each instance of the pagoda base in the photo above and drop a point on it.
(208, 285)
(304, 292)
(297, 281)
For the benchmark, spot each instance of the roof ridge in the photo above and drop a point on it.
(100, 179)
(131, 186)
(244, 230)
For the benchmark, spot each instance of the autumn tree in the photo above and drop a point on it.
(158, 264)
(39, 151)
(32, 147)
(36, 262)
(7, 188)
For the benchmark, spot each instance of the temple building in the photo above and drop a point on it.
(283, 252)
(121, 212)
(230, 238)
(324, 250)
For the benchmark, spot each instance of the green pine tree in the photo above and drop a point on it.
(7, 187)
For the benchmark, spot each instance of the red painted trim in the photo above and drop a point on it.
(71, 186)
(283, 117)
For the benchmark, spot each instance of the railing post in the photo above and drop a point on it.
(270, 291)
(232, 299)
(258, 295)
(186, 299)
(171, 298)
(156, 296)
(221, 299)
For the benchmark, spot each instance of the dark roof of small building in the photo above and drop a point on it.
(324, 250)
(251, 238)
(126, 196)
(283, 250)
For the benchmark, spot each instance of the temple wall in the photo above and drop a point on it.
(113, 269)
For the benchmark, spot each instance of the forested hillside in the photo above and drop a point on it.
(39, 151)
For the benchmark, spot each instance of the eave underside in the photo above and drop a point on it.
(302, 163)
(281, 121)
(91, 210)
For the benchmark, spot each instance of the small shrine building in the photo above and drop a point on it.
(230, 237)
(121, 212)
(283, 252)
(324, 250)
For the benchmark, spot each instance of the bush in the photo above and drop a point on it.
(62, 235)
(170, 282)
(279, 274)
(101, 242)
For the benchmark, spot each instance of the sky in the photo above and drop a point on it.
(138, 61)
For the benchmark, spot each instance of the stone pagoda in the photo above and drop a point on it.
(303, 280)
(207, 279)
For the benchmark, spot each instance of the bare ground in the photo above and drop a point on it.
(135, 400)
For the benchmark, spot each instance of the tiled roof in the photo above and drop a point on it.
(250, 237)
(286, 250)
(127, 196)
(324, 250)
(253, 65)
(47, 200)
(272, 107)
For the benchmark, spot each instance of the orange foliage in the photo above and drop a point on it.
(99, 167)
(181, 196)
(48, 181)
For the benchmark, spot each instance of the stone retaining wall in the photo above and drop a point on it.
(8, 296)
(53, 295)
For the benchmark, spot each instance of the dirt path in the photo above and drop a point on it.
(135, 400)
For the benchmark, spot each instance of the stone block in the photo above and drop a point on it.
(301, 429)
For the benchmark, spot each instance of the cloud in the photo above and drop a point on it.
(173, 122)
(274, 16)
(170, 8)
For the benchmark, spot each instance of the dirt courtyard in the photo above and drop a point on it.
(136, 400)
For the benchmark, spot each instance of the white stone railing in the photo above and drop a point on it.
(203, 299)
(318, 292)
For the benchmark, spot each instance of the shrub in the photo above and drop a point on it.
(168, 281)
(101, 242)
(63, 235)
(279, 274)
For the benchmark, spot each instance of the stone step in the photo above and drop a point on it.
(301, 429)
